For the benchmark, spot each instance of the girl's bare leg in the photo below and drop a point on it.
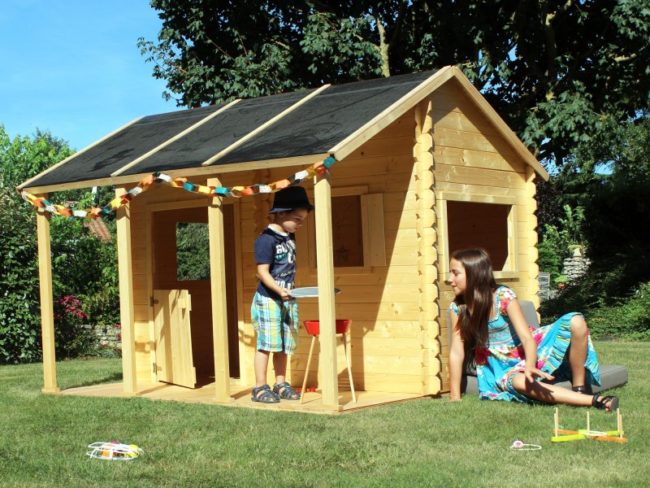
(550, 393)
(578, 350)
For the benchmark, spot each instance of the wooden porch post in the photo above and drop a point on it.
(326, 299)
(219, 297)
(125, 274)
(47, 302)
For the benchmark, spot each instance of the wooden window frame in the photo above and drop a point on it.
(372, 233)
(510, 269)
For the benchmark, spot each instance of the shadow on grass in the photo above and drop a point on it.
(111, 378)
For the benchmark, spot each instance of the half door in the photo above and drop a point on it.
(173, 337)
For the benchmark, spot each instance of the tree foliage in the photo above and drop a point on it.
(560, 240)
(19, 292)
(82, 266)
(571, 77)
(19, 295)
(192, 251)
(616, 213)
(557, 70)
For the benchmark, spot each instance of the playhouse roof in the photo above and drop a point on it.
(280, 130)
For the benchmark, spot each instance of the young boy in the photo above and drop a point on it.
(274, 313)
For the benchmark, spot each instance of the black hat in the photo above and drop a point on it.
(290, 199)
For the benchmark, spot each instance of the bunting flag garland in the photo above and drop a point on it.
(182, 183)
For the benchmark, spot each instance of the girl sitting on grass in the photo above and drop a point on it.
(510, 358)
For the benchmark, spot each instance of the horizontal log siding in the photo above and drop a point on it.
(382, 302)
(471, 159)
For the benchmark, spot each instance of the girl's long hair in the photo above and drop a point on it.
(476, 303)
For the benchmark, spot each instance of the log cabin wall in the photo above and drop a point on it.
(478, 174)
(381, 295)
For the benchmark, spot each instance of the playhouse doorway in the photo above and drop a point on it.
(180, 267)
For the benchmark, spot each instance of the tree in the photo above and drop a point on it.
(19, 293)
(82, 266)
(192, 251)
(616, 210)
(22, 158)
(557, 70)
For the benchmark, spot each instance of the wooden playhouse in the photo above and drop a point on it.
(423, 165)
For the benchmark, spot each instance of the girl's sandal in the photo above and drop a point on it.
(263, 394)
(608, 403)
(285, 391)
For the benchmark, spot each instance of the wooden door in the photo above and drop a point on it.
(173, 337)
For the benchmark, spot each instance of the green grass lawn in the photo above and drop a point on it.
(429, 442)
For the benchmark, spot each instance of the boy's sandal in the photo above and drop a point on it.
(285, 391)
(585, 389)
(263, 394)
(608, 403)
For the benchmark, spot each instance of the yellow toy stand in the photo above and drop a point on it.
(564, 435)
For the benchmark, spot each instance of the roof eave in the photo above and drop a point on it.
(382, 120)
(126, 180)
(340, 151)
(25, 185)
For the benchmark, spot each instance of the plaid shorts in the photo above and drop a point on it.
(275, 323)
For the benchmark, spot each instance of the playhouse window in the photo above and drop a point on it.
(347, 231)
(192, 251)
(357, 230)
(486, 225)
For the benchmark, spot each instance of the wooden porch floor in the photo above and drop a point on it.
(241, 397)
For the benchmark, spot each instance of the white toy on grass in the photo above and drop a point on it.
(113, 451)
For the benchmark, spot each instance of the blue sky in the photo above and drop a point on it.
(73, 67)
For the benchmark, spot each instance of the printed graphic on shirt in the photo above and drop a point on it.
(279, 252)
(284, 267)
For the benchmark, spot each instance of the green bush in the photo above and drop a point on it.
(623, 318)
(74, 336)
(192, 244)
(552, 252)
(600, 287)
(629, 320)
(558, 241)
(81, 264)
(103, 306)
(20, 337)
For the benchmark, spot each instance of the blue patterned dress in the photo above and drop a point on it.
(504, 357)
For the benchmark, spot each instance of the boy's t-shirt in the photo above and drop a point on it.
(278, 250)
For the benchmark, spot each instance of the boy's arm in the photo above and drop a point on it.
(265, 277)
